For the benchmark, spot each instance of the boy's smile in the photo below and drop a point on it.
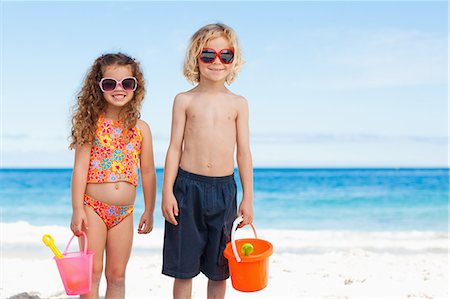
(216, 68)
(215, 71)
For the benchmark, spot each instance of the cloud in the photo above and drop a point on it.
(18, 136)
(322, 150)
(303, 138)
(349, 58)
(280, 150)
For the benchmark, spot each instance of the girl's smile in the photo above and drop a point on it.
(118, 97)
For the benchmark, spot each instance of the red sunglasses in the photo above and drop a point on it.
(208, 55)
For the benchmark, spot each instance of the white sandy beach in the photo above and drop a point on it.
(305, 264)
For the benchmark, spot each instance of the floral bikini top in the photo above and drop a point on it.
(113, 157)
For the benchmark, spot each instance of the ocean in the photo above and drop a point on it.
(303, 199)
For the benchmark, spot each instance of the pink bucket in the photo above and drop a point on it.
(75, 269)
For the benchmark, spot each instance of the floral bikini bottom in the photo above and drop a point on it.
(111, 215)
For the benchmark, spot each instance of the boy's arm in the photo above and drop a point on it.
(79, 181)
(169, 203)
(244, 161)
(148, 178)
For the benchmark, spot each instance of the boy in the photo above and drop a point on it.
(199, 191)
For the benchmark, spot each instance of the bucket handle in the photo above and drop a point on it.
(233, 241)
(85, 243)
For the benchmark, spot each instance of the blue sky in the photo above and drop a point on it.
(329, 84)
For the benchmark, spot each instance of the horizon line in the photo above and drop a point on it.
(274, 168)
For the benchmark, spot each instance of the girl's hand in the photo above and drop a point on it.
(169, 208)
(78, 220)
(146, 223)
(246, 210)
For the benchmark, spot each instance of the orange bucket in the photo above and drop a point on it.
(248, 273)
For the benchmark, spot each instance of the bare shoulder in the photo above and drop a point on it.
(85, 148)
(143, 127)
(183, 98)
(239, 101)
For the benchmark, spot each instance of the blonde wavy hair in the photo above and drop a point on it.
(198, 42)
(90, 102)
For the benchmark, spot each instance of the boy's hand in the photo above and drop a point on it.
(246, 210)
(170, 208)
(78, 219)
(146, 223)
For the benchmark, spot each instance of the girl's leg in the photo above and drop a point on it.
(96, 242)
(118, 250)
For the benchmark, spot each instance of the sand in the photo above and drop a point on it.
(305, 264)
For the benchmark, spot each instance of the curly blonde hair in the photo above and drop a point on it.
(198, 42)
(90, 102)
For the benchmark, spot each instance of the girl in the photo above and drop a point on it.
(110, 143)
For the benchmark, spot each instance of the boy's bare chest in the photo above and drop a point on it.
(204, 113)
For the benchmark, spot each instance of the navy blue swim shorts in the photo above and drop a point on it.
(207, 209)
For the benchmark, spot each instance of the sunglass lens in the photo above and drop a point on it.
(207, 56)
(108, 84)
(227, 56)
(129, 84)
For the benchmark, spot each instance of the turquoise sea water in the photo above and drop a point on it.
(331, 199)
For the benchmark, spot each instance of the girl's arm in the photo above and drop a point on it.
(79, 181)
(148, 178)
(169, 204)
(244, 161)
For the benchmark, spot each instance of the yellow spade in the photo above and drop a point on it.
(49, 242)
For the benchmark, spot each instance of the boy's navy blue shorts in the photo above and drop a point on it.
(207, 209)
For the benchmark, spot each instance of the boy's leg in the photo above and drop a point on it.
(118, 250)
(182, 288)
(184, 243)
(216, 289)
(219, 221)
(96, 242)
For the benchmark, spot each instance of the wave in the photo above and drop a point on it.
(21, 238)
